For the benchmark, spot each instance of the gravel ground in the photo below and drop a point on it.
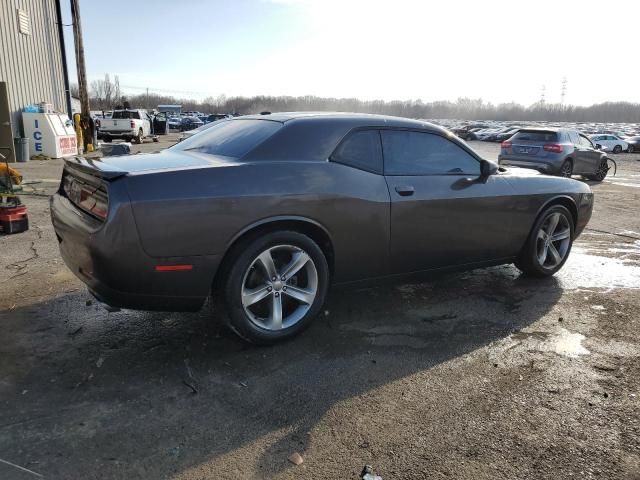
(480, 375)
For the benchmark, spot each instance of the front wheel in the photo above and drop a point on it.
(601, 174)
(549, 243)
(275, 287)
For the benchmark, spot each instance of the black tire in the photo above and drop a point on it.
(601, 174)
(236, 273)
(617, 149)
(630, 149)
(566, 169)
(528, 261)
(138, 138)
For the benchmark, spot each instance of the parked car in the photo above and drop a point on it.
(611, 143)
(217, 116)
(175, 123)
(267, 211)
(190, 123)
(634, 144)
(126, 124)
(510, 132)
(554, 151)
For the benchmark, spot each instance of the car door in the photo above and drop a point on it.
(442, 212)
(590, 157)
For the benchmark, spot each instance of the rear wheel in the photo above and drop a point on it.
(549, 243)
(566, 170)
(617, 149)
(275, 287)
(138, 138)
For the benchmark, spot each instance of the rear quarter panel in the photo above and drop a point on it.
(201, 211)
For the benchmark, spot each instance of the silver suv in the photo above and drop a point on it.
(554, 151)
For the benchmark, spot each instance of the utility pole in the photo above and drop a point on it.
(86, 122)
(563, 91)
(543, 94)
(147, 100)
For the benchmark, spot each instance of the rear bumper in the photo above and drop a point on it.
(116, 133)
(109, 259)
(548, 167)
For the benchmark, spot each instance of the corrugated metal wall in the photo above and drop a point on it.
(30, 64)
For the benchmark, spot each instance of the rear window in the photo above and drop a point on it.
(126, 114)
(535, 136)
(232, 138)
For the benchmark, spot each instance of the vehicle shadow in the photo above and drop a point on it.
(86, 392)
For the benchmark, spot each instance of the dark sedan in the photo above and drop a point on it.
(634, 144)
(267, 211)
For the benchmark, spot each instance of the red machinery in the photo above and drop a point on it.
(13, 214)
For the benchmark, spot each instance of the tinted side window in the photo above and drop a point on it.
(418, 153)
(361, 150)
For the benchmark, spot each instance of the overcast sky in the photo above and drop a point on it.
(500, 51)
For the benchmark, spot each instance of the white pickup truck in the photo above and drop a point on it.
(131, 125)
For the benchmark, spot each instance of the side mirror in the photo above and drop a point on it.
(487, 168)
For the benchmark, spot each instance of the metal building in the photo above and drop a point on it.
(32, 61)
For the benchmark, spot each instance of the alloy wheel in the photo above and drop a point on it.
(279, 287)
(553, 240)
(603, 169)
(566, 169)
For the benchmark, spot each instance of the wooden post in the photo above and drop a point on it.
(85, 117)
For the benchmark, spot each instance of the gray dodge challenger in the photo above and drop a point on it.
(265, 212)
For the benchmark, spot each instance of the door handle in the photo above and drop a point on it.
(405, 190)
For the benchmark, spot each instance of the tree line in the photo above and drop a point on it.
(106, 95)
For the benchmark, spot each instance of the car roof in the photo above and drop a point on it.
(356, 119)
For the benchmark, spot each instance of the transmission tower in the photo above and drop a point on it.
(542, 94)
(563, 91)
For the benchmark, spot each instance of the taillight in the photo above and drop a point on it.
(506, 144)
(553, 147)
(92, 199)
(94, 202)
(133, 124)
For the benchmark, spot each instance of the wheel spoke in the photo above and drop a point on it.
(561, 235)
(300, 294)
(267, 261)
(542, 234)
(553, 223)
(298, 261)
(542, 255)
(557, 258)
(249, 297)
(275, 321)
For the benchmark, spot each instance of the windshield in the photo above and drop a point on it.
(230, 138)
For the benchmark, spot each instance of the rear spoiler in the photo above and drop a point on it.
(95, 167)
